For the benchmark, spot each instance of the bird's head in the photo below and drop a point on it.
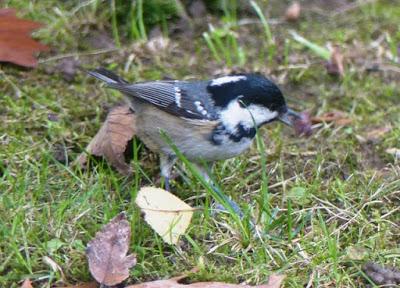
(250, 99)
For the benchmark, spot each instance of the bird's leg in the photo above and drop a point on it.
(166, 164)
(219, 207)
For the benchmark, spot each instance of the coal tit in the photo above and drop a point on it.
(207, 120)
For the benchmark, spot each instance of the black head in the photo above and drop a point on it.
(249, 89)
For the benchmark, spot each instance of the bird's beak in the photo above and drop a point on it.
(289, 117)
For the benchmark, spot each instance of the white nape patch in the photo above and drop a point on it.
(234, 114)
(226, 79)
(178, 96)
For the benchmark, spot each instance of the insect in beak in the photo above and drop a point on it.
(289, 117)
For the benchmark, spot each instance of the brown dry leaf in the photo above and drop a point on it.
(382, 275)
(111, 140)
(27, 283)
(16, 44)
(106, 253)
(335, 65)
(168, 215)
(338, 117)
(293, 12)
(83, 285)
(275, 281)
(302, 126)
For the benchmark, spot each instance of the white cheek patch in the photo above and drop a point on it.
(234, 114)
(260, 114)
(227, 79)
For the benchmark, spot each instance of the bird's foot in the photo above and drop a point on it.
(219, 207)
(167, 185)
(235, 208)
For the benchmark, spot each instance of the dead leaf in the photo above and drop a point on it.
(338, 117)
(394, 151)
(111, 140)
(83, 285)
(106, 253)
(16, 45)
(293, 12)
(168, 215)
(302, 126)
(377, 133)
(335, 65)
(27, 283)
(382, 275)
(275, 281)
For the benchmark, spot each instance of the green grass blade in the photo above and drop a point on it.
(319, 50)
(264, 22)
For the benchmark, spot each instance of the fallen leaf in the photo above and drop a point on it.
(83, 285)
(275, 281)
(338, 117)
(27, 283)
(394, 151)
(106, 253)
(381, 275)
(335, 64)
(302, 126)
(16, 45)
(168, 215)
(111, 140)
(377, 133)
(293, 12)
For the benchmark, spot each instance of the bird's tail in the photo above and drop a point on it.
(107, 76)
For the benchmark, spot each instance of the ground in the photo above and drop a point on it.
(326, 204)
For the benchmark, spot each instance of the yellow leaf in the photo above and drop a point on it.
(168, 215)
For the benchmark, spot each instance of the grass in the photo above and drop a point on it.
(317, 200)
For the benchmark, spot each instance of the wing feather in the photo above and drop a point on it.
(189, 100)
(170, 96)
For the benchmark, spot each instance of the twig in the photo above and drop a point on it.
(351, 6)
(95, 52)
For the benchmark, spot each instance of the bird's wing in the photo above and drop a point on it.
(190, 100)
(183, 99)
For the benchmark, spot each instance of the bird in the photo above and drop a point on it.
(207, 120)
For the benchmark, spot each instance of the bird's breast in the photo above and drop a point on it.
(197, 140)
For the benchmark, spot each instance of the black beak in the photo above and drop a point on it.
(289, 117)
